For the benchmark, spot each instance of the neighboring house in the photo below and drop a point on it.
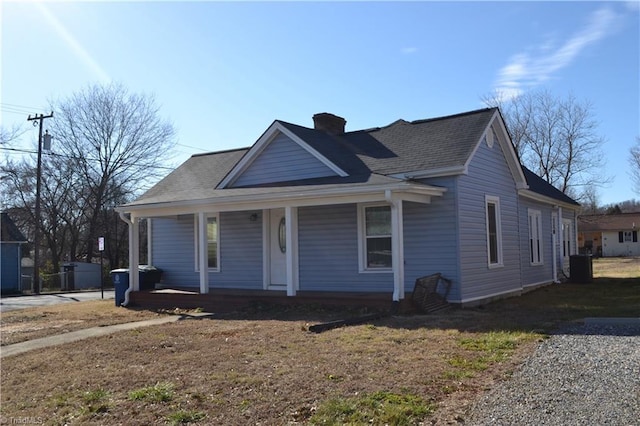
(11, 241)
(308, 210)
(609, 235)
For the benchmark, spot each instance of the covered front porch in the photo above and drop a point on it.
(293, 241)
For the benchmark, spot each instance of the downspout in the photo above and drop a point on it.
(126, 293)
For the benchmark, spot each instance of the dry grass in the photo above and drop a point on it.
(32, 323)
(616, 267)
(264, 367)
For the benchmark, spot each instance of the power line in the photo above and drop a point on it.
(69, 157)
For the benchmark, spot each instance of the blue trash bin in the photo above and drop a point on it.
(120, 279)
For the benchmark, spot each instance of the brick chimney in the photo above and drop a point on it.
(329, 123)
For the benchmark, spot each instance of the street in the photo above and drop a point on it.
(12, 303)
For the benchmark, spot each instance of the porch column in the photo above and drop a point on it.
(149, 242)
(134, 253)
(203, 253)
(397, 249)
(291, 223)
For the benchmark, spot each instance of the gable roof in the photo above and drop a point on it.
(402, 146)
(609, 222)
(9, 232)
(400, 151)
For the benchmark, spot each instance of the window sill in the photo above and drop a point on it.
(496, 265)
(376, 271)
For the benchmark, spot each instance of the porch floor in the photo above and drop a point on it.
(227, 300)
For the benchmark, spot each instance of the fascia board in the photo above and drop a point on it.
(431, 173)
(324, 160)
(507, 148)
(512, 159)
(251, 155)
(527, 193)
(264, 140)
(413, 192)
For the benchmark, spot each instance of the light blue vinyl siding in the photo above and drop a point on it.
(173, 250)
(328, 252)
(488, 175)
(536, 274)
(282, 160)
(430, 242)
(240, 251)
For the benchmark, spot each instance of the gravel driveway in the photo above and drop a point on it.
(583, 375)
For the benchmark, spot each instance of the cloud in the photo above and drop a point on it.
(73, 43)
(529, 69)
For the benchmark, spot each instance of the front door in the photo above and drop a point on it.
(277, 249)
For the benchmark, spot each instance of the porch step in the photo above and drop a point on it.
(225, 301)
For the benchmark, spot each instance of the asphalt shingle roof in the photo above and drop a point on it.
(609, 222)
(368, 156)
(542, 187)
(9, 232)
(402, 146)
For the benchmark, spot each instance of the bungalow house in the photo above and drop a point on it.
(323, 211)
(609, 235)
(11, 241)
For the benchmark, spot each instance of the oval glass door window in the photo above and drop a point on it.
(282, 235)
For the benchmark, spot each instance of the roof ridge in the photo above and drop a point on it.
(202, 154)
(446, 117)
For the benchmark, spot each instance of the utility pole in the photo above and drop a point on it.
(36, 238)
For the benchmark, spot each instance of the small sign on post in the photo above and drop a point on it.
(101, 249)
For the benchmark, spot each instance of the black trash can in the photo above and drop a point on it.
(120, 279)
(581, 268)
(149, 276)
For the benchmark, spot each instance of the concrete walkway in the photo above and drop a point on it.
(74, 336)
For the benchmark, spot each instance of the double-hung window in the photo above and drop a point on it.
(375, 237)
(535, 237)
(494, 231)
(213, 239)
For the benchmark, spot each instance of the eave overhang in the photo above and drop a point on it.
(289, 197)
(527, 193)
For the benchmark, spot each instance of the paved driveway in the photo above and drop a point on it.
(12, 303)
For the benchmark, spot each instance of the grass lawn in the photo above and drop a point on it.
(264, 367)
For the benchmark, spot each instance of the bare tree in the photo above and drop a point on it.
(557, 138)
(117, 140)
(634, 162)
(9, 134)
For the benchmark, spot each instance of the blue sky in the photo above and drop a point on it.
(222, 72)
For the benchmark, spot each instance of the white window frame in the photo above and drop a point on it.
(196, 240)
(535, 237)
(627, 236)
(489, 199)
(362, 239)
